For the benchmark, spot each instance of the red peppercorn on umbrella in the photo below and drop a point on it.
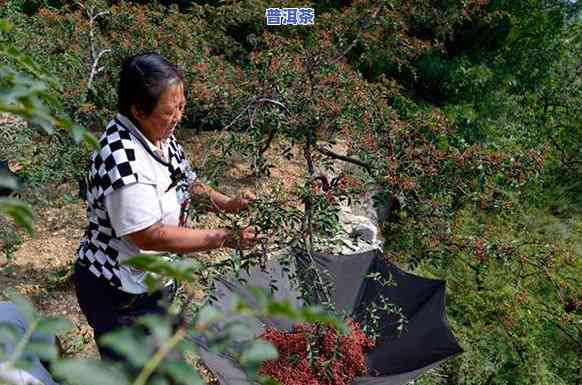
(405, 312)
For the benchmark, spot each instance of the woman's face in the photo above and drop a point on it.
(161, 123)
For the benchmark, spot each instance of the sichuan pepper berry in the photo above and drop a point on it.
(335, 359)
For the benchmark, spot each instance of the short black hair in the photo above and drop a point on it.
(143, 80)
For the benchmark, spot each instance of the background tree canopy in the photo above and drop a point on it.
(465, 114)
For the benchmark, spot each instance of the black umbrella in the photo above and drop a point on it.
(10, 181)
(356, 282)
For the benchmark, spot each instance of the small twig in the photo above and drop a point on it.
(309, 158)
(276, 102)
(355, 42)
(334, 155)
(100, 14)
(564, 159)
(308, 225)
(269, 140)
(567, 334)
(252, 104)
(92, 17)
(237, 117)
(95, 70)
(95, 56)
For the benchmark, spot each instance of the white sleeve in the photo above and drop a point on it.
(133, 208)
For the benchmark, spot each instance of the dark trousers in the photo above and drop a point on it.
(107, 308)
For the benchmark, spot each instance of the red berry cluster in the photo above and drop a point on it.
(335, 359)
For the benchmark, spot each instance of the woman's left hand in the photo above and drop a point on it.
(242, 200)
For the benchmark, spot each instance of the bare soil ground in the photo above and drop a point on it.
(36, 268)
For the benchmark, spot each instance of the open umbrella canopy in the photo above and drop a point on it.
(406, 311)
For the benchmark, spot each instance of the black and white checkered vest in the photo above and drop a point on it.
(110, 168)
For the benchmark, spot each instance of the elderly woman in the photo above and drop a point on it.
(134, 202)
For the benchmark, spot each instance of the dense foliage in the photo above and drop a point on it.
(464, 114)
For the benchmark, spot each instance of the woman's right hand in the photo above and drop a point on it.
(245, 239)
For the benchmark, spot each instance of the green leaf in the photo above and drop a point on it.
(153, 283)
(129, 344)
(315, 314)
(43, 349)
(78, 133)
(89, 372)
(268, 381)
(259, 351)
(207, 316)
(19, 211)
(181, 270)
(81, 134)
(5, 26)
(235, 304)
(261, 297)
(182, 373)
(282, 309)
(239, 332)
(158, 325)
(22, 304)
(8, 334)
(54, 325)
(156, 379)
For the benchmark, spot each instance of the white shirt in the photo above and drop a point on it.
(138, 206)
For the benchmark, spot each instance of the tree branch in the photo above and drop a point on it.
(567, 334)
(95, 70)
(307, 220)
(365, 25)
(95, 56)
(267, 143)
(334, 155)
(252, 104)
